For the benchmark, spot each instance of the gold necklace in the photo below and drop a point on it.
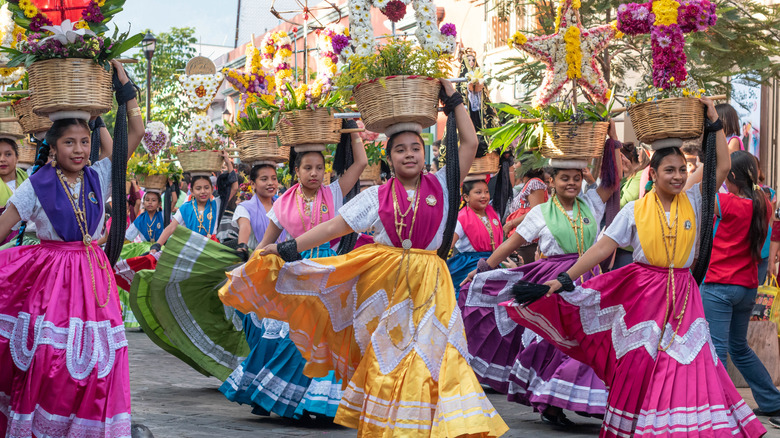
(81, 220)
(302, 214)
(399, 217)
(575, 224)
(199, 218)
(670, 239)
(150, 227)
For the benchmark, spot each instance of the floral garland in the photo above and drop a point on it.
(252, 82)
(430, 37)
(332, 42)
(10, 35)
(666, 21)
(277, 55)
(156, 137)
(570, 55)
(94, 16)
(201, 89)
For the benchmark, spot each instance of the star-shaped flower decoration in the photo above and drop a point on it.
(569, 54)
(66, 33)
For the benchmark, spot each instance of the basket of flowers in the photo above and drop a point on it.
(485, 165)
(255, 136)
(152, 171)
(666, 115)
(558, 131)
(27, 152)
(68, 64)
(31, 122)
(398, 84)
(203, 151)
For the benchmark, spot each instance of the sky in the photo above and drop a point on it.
(214, 21)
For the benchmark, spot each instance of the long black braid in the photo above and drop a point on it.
(116, 236)
(41, 157)
(503, 190)
(453, 171)
(170, 189)
(708, 192)
(342, 161)
(94, 127)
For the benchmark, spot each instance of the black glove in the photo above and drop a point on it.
(156, 247)
(242, 251)
(124, 92)
(450, 102)
(288, 251)
(96, 124)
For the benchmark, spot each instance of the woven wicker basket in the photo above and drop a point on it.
(70, 84)
(372, 172)
(574, 141)
(681, 117)
(309, 127)
(27, 153)
(260, 146)
(152, 182)
(398, 99)
(12, 129)
(200, 161)
(326, 179)
(485, 165)
(31, 122)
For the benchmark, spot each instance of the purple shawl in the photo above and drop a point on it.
(259, 219)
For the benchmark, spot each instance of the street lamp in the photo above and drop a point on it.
(148, 45)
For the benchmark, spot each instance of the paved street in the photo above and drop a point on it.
(174, 401)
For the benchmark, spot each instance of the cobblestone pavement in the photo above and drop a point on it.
(175, 401)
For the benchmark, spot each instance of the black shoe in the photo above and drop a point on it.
(138, 430)
(760, 413)
(559, 420)
(775, 421)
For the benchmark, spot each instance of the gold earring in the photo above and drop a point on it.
(54, 161)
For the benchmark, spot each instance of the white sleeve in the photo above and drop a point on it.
(338, 196)
(597, 206)
(240, 212)
(623, 227)
(178, 217)
(532, 225)
(459, 230)
(362, 211)
(24, 199)
(132, 232)
(103, 169)
(441, 176)
(694, 196)
(272, 217)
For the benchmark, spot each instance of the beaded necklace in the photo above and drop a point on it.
(486, 223)
(199, 218)
(150, 226)
(307, 210)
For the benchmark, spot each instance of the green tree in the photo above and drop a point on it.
(174, 48)
(743, 42)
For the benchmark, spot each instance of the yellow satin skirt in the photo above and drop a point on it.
(387, 322)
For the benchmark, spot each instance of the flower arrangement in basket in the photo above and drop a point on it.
(202, 152)
(558, 131)
(68, 63)
(667, 110)
(397, 85)
(375, 151)
(152, 171)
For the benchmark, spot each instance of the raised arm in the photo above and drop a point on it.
(466, 133)
(135, 123)
(359, 163)
(324, 232)
(721, 145)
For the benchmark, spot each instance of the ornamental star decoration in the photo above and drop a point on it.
(569, 55)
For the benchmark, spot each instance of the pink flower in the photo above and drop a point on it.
(339, 42)
(449, 30)
(395, 10)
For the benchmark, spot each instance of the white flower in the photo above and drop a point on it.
(65, 32)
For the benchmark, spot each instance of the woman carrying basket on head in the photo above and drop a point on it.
(60, 298)
(383, 316)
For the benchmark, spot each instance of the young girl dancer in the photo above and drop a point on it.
(642, 327)
(513, 360)
(478, 232)
(384, 316)
(11, 177)
(63, 352)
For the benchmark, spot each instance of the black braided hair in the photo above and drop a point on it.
(41, 157)
(708, 191)
(94, 127)
(503, 191)
(116, 236)
(167, 207)
(453, 184)
(341, 162)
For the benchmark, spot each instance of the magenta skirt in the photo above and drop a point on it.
(613, 323)
(63, 353)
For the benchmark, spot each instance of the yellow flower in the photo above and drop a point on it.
(665, 12)
(81, 24)
(632, 99)
(518, 39)
(618, 33)
(558, 13)
(24, 4)
(30, 12)
(671, 79)
(101, 3)
(576, 4)
(573, 52)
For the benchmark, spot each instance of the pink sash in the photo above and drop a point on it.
(429, 216)
(475, 229)
(289, 210)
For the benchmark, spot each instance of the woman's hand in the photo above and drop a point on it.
(509, 263)
(554, 285)
(120, 71)
(224, 154)
(469, 277)
(449, 89)
(269, 250)
(587, 176)
(712, 113)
